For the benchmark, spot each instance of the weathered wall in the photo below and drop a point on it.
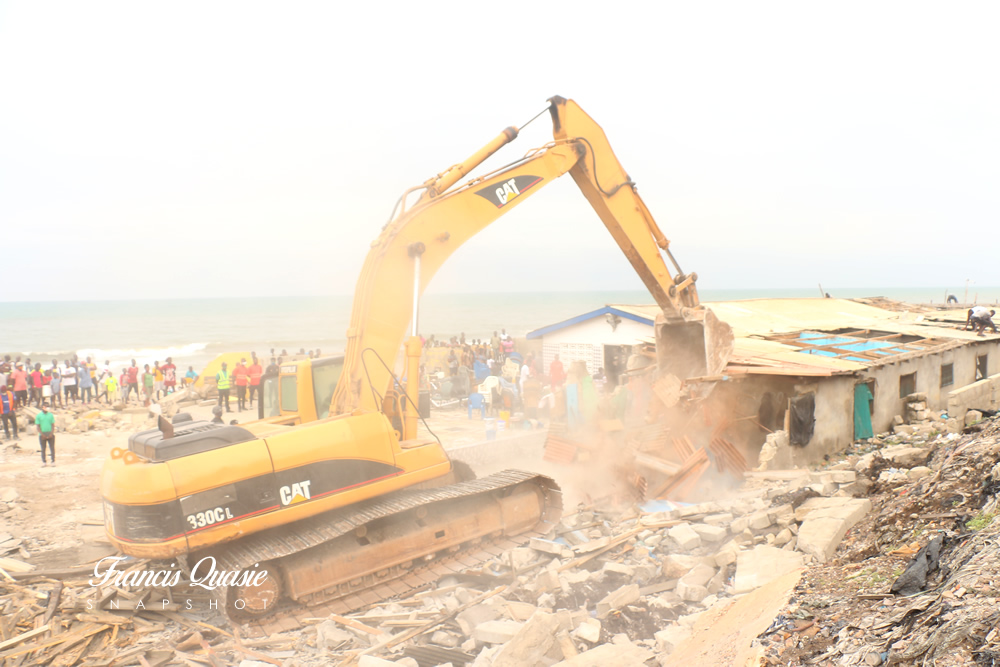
(834, 429)
(888, 402)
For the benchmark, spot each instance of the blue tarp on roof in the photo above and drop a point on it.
(847, 344)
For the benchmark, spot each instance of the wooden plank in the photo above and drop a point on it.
(357, 625)
(15, 565)
(14, 641)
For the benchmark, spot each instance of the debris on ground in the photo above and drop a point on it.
(895, 542)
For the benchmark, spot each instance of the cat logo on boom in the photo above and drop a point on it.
(505, 192)
(295, 493)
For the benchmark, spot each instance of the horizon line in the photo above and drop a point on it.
(504, 292)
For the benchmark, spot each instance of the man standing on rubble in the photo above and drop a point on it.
(45, 421)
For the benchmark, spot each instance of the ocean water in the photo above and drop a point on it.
(194, 331)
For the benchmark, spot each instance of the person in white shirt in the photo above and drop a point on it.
(980, 318)
(525, 374)
(69, 381)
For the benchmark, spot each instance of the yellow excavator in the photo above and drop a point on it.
(332, 492)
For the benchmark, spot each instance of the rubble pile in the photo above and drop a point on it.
(921, 583)
(897, 543)
(604, 588)
(917, 420)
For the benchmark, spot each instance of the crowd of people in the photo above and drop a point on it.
(82, 381)
(494, 368)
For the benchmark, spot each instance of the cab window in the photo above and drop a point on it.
(289, 393)
(325, 378)
(269, 397)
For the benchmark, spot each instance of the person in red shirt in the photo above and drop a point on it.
(36, 385)
(556, 372)
(254, 373)
(240, 379)
(132, 381)
(20, 379)
(169, 376)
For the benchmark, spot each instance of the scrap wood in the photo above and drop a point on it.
(53, 604)
(212, 655)
(14, 641)
(691, 464)
(63, 574)
(103, 617)
(577, 562)
(250, 653)
(15, 565)
(685, 450)
(357, 625)
(668, 390)
(727, 457)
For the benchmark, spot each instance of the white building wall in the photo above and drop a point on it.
(585, 341)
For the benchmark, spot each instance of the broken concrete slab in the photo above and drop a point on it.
(549, 547)
(609, 655)
(534, 640)
(589, 630)
(823, 529)
(675, 566)
(723, 519)
(900, 456)
(685, 536)
(617, 599)
(709, 533)
(760, 565)
(496, 632)
(759, 520)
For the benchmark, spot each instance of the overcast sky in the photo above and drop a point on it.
(214, 149)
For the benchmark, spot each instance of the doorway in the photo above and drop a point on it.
(615, 362)
(864, 408)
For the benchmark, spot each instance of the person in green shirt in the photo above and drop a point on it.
(46, 423)
(148, 382)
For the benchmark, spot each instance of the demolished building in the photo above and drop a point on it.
(823, 371)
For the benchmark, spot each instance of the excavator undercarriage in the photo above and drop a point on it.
(348, 554)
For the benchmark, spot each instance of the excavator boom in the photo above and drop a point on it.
(414, 245)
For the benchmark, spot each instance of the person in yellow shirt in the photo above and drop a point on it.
(111, 388)
(157, 379)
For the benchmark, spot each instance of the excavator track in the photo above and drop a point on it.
(359, 555)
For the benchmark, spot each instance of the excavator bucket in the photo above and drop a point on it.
(699, 345)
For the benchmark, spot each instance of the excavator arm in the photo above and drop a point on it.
(414, 245)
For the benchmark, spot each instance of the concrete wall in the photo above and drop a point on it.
(888, 402)
(834, 415)
(980, 395)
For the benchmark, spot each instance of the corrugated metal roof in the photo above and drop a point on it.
(816, 336)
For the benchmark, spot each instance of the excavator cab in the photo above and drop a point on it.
(300, 391)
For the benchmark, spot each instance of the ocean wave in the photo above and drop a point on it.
(143, 355)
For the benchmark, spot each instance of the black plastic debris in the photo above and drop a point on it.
(914, 578)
